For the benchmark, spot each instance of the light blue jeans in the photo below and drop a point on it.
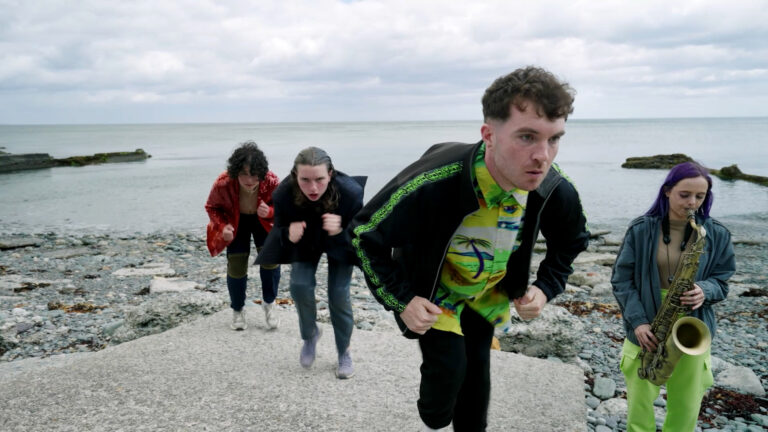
(303, 284)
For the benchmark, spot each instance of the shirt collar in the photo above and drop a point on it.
(488, 190)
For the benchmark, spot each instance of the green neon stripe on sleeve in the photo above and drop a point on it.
(384, 212)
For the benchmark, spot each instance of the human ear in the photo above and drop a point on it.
(486, 132)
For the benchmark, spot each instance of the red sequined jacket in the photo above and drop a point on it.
(223, 207)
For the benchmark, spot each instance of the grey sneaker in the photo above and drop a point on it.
(307, 356)
(345, 370)
(270, 316)
(238, 320)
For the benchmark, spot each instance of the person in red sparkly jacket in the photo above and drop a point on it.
(240, 208)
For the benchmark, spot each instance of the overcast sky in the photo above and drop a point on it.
(98, 61)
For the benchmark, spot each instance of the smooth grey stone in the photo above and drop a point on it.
(604, 388)
(23, 326)
(592, 402)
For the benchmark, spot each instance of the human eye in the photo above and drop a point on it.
(555, 139)
(527, 138)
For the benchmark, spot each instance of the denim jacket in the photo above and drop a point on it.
(636, 281)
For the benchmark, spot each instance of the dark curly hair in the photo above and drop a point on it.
(248, 156)
(551, 97)
(314, 156)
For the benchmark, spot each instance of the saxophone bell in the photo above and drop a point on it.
(689, 336)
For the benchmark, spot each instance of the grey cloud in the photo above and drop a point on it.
(171, 55)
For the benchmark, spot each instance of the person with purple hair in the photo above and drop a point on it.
(643, 272)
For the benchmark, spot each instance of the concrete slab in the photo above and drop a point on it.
(204, 376)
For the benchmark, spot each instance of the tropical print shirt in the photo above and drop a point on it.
(477, 256)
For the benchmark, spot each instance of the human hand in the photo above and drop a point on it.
(693, 298)
(296, 231)
(420, 314)
(332, 223)
(646, 338)
(262, 210)
(531, 304)
(228, 233)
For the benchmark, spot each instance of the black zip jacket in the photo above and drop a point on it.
(402, 234)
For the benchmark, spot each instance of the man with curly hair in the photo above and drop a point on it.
(447, 243)
(240, 208)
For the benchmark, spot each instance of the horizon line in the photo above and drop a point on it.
(160, 123)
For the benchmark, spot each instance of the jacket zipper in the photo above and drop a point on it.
(538, 219)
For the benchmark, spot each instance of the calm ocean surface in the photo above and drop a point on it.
(167, 192)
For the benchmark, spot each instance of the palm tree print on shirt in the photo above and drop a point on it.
(474, 243)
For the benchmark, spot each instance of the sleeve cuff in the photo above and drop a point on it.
(543, 287)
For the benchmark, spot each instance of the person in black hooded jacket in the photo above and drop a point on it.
(313, 206)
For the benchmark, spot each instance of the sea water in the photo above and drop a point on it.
(168, 191)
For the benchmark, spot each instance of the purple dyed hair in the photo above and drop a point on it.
(679, 172)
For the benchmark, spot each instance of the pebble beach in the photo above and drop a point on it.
(63, 294)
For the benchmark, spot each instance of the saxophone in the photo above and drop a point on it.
(677, 334)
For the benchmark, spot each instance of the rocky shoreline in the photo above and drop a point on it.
(63, 294)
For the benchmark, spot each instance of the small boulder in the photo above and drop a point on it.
(554, 333)
(604, 388)
(742, 380)
(164, 285)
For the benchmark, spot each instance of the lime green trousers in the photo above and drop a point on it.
(685, 389)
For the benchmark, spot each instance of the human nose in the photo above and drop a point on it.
(541, 151)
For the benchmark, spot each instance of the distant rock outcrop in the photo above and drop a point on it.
(731, 172)
(28, 161)
(99, 158)
(734, 173)
(11, 162)
(656, 162)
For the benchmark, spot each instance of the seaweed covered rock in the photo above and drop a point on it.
(17, 162)
(656, 161)
(28, 161)
(99, 158)
(731, 172)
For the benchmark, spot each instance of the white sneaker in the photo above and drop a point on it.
(270, 316)
(238, 320)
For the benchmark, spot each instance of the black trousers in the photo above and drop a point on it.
(237, 263)
(456, 375)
